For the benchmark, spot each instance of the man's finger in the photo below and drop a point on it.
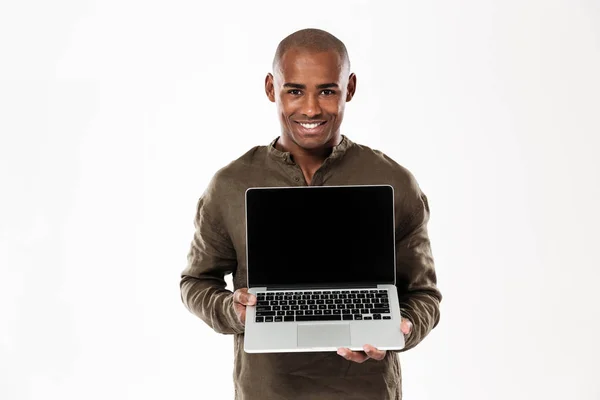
(406, 326)
(374, 353)
(243, 297)
(356, 356)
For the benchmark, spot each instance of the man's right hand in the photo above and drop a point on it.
(241, 299)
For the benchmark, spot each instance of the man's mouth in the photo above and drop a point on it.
(311, 126)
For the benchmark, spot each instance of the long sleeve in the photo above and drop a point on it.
(210, 258)
(416, 278)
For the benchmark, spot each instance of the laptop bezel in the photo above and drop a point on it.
(339, 285)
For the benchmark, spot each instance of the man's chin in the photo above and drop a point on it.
(309, 142)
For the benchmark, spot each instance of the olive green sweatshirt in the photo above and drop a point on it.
(219, 248)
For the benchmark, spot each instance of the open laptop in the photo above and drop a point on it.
(322, 262)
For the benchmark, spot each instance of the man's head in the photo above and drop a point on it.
(310, 84)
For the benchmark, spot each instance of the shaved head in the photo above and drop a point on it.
(311, 40)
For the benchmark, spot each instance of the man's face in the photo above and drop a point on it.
(310, 90)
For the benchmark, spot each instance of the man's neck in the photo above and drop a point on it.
(309, 161)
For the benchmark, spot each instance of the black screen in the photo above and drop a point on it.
(320, 236)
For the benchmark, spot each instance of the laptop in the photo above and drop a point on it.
(321, 261)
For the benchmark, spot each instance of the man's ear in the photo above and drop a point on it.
(351, 87)
(269, 88)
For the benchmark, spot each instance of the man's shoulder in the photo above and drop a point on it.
(239, 169)
(384, 165)
(255, 157)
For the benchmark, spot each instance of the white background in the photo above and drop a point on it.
(115, 114)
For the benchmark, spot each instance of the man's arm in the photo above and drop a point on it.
(210, 258)
(415, 278)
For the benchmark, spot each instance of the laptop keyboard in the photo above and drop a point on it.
(328, 305)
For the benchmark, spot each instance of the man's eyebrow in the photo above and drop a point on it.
(294, 85)
(327, 85)
(300, 86)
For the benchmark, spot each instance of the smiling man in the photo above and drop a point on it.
(310, 85)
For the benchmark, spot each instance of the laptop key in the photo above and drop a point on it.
(318, 312)
(357, 317)
(331, 307)
(301, 318)
(268, 319)
(347, 317)
(280, 312)
(260, 319)
(380, 311)
(308, 312)
(265, 313)
(278, 319)
(299, 312)
(355, 311)
(376, 316)
(337, 311)
(289, 313)
(288, 319)
(387, 317)
(364, 311)
(345, 311)
(295, 307)
(262, 303)
(326, 312)
(263, 308)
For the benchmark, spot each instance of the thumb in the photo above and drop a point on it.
(243, 297)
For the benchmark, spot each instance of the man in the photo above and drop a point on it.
(310, 84)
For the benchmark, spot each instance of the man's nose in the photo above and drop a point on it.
(311, 106)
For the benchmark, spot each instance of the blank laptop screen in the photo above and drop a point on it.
(323, 236)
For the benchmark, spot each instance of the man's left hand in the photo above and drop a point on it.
(370, 351)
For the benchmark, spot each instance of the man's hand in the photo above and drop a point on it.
(370, 351)
(241, 299)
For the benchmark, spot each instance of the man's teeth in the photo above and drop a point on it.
(310, 126)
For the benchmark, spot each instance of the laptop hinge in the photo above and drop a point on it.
(321, 287)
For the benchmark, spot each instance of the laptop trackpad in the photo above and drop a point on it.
(324, 335)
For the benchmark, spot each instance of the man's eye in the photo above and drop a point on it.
(328, 92)
(295, 92)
